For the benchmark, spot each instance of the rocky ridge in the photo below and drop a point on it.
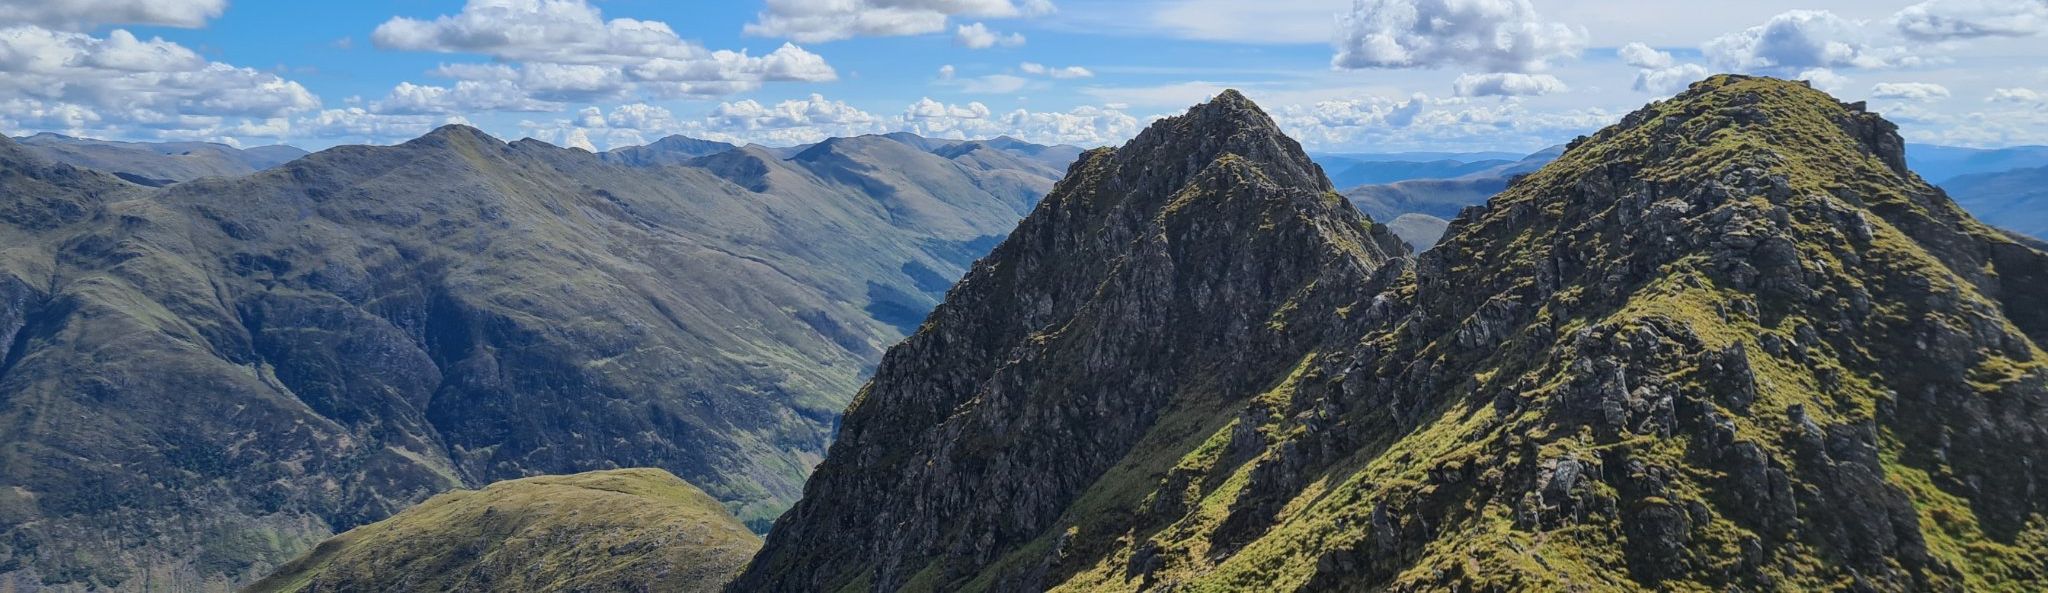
(1729, 343)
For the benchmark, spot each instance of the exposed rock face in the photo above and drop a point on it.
(202, 381)
(1728, 344)
(1198, 264)
(618, 530)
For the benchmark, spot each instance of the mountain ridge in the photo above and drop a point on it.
(1730, 342)
(319, 345)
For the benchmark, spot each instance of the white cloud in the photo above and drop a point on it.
(125, 86)
(979, 36)
(1940, 20)
(1420, 122)
(1657, 71)
(1802, 39)
(2017, 95)
(1496, 35)
(1824, 79)
(81, 15)
(1507, 84)
(1909, 91)
(813, 21)
(947, 72)
(1643, 56)
(552, 53)
(1037, 69)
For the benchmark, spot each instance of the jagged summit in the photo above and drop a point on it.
(1193, 267)
(1727, 344)
(1178, 147)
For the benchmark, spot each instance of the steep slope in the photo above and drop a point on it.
(1160, 282)
(157, 164)
(203, 381)
(619, 530)
(1728, 344)
(2015, 200)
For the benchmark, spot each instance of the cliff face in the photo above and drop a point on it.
(1729, 342)
(1158, 284)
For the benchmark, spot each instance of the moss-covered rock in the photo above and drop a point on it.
(1728, 344)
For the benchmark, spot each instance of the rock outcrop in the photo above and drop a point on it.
(1730, 343)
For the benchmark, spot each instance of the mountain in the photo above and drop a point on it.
(1941, 164)
(1730, 343)
(673, 150)
(1371, 173)
(2015, 200)
(201, 381)
(620, 530)
(1444, 198)
(1203, 258)
(1419, 231)
(158, 164)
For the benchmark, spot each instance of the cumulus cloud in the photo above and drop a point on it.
(125, 86)
(811, 21)
(1037, 69)
(1941, 20)
(1423, 122)
(81, 15)
(1496, 35)
(947, 72)
(1824, 79)
(815, 118)
(356, 124)
(553, 53)
(1642, 55)
(2017, 95)
(1909, 91)
(979, 36)
(1802, 39)
(1506, 84)
(1657, 71)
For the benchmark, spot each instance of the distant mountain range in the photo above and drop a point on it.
(1995, 184)
(157, 164)
(200, 381)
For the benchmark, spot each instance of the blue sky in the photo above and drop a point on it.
(1341, 75)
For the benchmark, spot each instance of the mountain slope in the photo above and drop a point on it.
(1729, 343)
(620, 530)
(1193, 264)
(2015, 200)
(204, 380)
(673, 150)
(161, 163)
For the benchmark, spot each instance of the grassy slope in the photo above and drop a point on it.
(633, 529)
(1459, 471)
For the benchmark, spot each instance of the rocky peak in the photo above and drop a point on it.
(456, 135)
(1728, 344)
(1199, 263)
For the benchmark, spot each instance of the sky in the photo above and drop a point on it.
(1339, 75)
